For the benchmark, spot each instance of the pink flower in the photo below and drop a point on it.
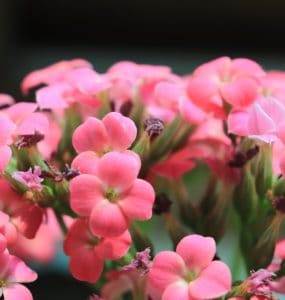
(53, 73)
(80, 85)
(264, 120)
(114, 196)
(13, 272)
(43, 247)
(88, 251)
(189, 273)
(224, 79)
(23, 214)
(113, 132)
(30, 178)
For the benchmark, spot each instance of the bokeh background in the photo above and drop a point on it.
(181, 33)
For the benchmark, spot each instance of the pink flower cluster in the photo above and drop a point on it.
(93, 156)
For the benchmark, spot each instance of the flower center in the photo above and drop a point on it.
(111, 195)
(190, 276)
(2, 283)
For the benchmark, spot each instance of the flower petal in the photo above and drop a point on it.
(107, 220)
(138, 201)
(114, 248)
(177, 290)
(121, 130)
(91, 135)
(85, 191)
(118, 170)
(18, 271)
(16, 292)
(197, 251)
(85, 265)
(168, 267)
(213, 282)
(86, 162)
(5, 155)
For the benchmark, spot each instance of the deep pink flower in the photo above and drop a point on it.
(113, 132)
(88, 251)
(43, 247)
(114, 196)
(23, 214)
(30, 178)
(14, 271)
(189, 273)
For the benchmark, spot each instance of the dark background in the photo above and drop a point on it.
(181, 33)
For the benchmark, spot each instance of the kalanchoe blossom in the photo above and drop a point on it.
(114, 132)
(53, 73)
(31, 178)
(189, 273)
(114, 196)
(24, 215)
(88, 252)
(14, 272)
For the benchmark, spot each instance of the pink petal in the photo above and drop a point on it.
(18, 271)
(28, 220)
(4, 262)
(204, 93)
(52, 97)
(3, 243)
(16, 292)
(86, 162)
(5, 155)
(7, 129)
(6, 99)
(85, 265)
(34, 122)
(91, 135)
(78, 235)
(240, 93)
(238, 122)
(108, 220)
(261, 125)
(114, 248)
(138, 201)
(21, 110)
(121, 130)
(213, 282)
(177, 290)
(118, 170)
(244, 66)
(190, 112)
(197, 251)
(168, 267)
(85, 192)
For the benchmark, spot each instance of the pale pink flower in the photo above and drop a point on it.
(264, 120)
(189, 273)
(31, 178)
(80, 85)
(113, 132)
(14, 271)
(88, 251)
(53, 73)
(114, 196)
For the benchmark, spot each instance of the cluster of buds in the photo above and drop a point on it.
(91, 158)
